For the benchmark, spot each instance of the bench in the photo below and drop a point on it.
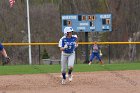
(55, 61)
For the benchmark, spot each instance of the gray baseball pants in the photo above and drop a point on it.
(67, 60)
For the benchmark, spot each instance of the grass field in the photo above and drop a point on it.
(35, 69)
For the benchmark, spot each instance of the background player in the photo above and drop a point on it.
(67, 45)
(4, 54)
(95, 52)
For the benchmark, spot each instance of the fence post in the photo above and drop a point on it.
(39, 53)
(109, 53)
(86, 48)
(76, 54)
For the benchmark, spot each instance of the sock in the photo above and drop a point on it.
(64, 75)
(69, 72)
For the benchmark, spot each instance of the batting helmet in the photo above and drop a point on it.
(67, 29)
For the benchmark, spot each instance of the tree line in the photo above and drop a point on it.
(45, 21)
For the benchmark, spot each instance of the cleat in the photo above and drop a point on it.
(89, 63)
(101, 62)
(70, 78)
(63, 82)
(3, 63)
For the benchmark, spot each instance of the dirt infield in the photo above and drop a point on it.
(94, 82)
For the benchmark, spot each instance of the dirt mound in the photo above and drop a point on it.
(97, 82)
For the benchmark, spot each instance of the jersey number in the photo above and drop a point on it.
(69, 47)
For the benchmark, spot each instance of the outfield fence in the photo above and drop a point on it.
(82, 43)
(113, 52)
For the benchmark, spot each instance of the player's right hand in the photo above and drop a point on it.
(65, 46)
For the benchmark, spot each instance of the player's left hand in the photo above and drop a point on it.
(101, 53)
(76, 45)
(7, 59)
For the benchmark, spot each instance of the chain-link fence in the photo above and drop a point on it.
(110, 54)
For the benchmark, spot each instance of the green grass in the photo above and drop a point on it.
(107, 67)
(35, 69)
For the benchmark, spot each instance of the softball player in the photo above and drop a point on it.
(67, 45)
(95, 52)
(3, 52)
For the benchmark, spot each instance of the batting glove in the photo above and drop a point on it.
(6, 60)
(76, 45)
(65, 46)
